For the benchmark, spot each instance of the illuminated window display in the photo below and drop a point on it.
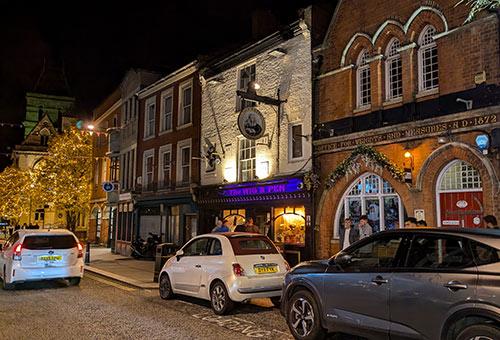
(234, 217)
(289, 225)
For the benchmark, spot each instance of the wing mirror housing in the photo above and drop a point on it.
(340, 260)
(179, 254)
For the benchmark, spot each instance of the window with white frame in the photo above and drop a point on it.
(460, 175)
(393, 71)
(295, 144)
(184, 162)
(364, 97)
(185, 103)
(165, 172)
(149, 117)
(245, 76)
(428, 60)
(148, 170)
(166, 111)
(246, 159)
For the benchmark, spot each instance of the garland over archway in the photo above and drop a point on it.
(372, 158)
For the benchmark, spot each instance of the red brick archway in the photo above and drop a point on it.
(439, 159)
(330, 199)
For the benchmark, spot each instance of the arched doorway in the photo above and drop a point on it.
(375, 197)
(459, 196)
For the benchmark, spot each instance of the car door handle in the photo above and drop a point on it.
(379, 280)
(198, 266)
(455, 285)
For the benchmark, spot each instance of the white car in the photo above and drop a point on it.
(225, 268)
(32, 255)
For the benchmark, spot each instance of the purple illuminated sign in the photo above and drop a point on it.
(271, 187)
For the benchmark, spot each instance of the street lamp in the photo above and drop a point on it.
(251, 94)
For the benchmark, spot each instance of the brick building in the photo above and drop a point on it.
(168, 160)
(407, 96)
(103, 208)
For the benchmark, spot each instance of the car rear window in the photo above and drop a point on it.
(49, 242)
(252, 245)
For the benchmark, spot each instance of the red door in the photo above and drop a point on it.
(461, 209)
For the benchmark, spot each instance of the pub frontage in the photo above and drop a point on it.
(280, 207)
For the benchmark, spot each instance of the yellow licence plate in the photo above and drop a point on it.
(50, 258)
(265, 269)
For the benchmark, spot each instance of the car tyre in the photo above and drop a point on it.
(219, 299)
(165, 287)
(483, 332)
(276, 301)
(5, 285)
(303, 317)
(74, 281)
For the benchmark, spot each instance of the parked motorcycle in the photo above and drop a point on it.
(145, 249)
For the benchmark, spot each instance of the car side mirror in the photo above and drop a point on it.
(342, 260)
(179, 254)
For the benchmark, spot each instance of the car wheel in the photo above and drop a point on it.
(303, 317)
(165, 287)
(220, 300)
(74, 281)
(480, 332)
(5, 285)
(276, 301)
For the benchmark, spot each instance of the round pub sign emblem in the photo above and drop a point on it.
(251, 123)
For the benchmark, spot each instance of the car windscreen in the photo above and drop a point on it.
(252, 245)
(49, 242)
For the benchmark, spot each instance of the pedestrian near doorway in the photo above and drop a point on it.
(491, 222)
(250, 227)
(365, 229)
(221, 227)
(348, 235)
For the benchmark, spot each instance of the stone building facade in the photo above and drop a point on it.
(258, 173)
(408, 98)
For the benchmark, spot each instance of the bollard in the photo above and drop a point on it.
(87, 253)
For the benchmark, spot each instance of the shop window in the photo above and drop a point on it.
(289, 225)
(372, 196)
(234, 217)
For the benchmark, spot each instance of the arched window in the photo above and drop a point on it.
(375, 197)
(460, 196)
(393, 71)
(428, 60)
(363, 82)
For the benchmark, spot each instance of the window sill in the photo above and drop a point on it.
(165, 132)
(427, 93)
(148, 138)
(180, 127)
(362, 109)
(296, 160)
(392, 101)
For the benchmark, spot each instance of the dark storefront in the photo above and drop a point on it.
(281, 208)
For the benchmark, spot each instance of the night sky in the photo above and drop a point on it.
(99, 41)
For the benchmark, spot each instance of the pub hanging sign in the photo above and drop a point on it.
(251, 123)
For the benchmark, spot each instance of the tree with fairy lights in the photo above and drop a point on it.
(65, 174)
(15, 191)
(477, 6)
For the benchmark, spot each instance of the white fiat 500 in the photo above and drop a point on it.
(32, 255)
(225, 268)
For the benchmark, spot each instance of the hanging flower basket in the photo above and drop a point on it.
(371, 157)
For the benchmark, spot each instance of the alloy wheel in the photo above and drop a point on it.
(165, 289)
(481, 337)
(302, 317)
(218, 298)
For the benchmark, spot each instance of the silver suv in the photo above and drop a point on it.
(402, 284)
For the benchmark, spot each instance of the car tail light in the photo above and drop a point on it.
(238, 270)
(17, 252)
(80, 250)
(287, 266)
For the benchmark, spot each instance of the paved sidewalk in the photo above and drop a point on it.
(138, 273)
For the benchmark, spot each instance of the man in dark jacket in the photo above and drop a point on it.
(347, 234)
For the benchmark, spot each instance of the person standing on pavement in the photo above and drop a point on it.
(250, 227)
(348, 235)
(364, 228)
(221, 227)
(491, 222)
